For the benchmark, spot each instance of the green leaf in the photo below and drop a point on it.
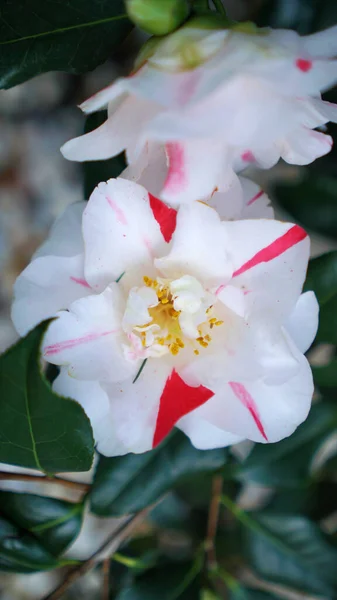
(326, 376)
(170, 582)
(287, 463)
(129, 483)
(55, 523)
(21, 552)
(292, 551)
(322, 279)
(63, 35)
(100, 170)
(39, 429)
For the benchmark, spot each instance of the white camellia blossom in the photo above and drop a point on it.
(215, 101)
(169, 318)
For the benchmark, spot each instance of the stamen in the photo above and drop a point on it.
(180, 343)
(196, 352)
(174, 349)
(219, 323)
(148, 281)
(208, 338)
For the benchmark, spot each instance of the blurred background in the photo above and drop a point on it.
(36, 183)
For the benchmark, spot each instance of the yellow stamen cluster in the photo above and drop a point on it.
(165, 315)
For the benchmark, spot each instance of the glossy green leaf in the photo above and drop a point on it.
(57, 35)
(245, 593)
(322, 279)
(170, 582)
(128, 483)
(100, 170)
(39, 429)
(311, 202)
(292, 551)
(287, 463)
(21, 552)
(55, 523)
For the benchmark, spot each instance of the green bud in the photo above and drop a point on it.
(158, 17)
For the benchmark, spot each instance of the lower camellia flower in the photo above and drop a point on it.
(173, 319)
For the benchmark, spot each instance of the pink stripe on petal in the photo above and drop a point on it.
(80, 281)
(69, 344)
(118, 211)
(292, 237)
(219, 289)
(246, 399)
(256, 197)
(248, 156)
(176, 176)
(303, 65)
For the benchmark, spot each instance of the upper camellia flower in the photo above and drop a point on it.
(217, 100)
(173, 319)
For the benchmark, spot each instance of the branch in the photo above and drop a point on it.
(122, 532)
(212, 526)
(106, 579)
(83, 487)
(219, 7)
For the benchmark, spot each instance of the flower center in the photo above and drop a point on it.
(167, 316)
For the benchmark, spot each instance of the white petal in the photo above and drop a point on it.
(199, 247)
(93, 398)
(88, 338)
(227, 200)
(233, 298)
(261, 412)
(103, 97)
(303, 321)
(204, 435)
(270, 260)
(120, 232)
(47, 285)
(134, 408)
(194, 170)
(65, 237)
(303, 146)
(323, 43)
(256, 203)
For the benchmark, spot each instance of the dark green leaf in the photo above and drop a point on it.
(322, 279)
(21, 552)
(326, 376)
(292, 551)
(62, 35)
(100, 170)
(312, 202)
(305, 16)
(244, 593)
(55, 523)
(129, 483)
(170, 582)
(39, 429)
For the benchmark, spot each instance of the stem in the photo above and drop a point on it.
(219, 7)
(213, 518)
(122, 532)
(200, 6)
(106, 579)
(4, 476)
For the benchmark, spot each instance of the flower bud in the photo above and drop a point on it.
(158, 17)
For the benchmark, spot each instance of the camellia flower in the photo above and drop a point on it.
(215, 101)
(169, 318)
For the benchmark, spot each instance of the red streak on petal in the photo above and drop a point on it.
(248, 156)
(246, 399)
(165, 216)
(69, 344)
(303, 65)
(118, 211)
(292, 237)
(256, 197)
(80, 281)
(176, 176)
(177, 400)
